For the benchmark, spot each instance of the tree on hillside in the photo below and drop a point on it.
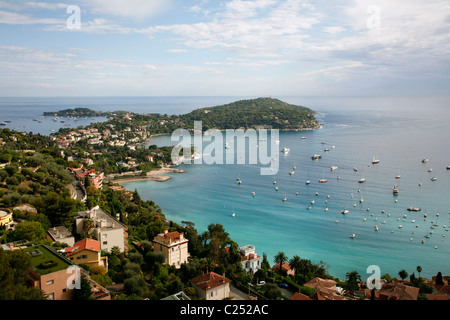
(280, 258)
(295, 263)
(403, 274)
(353, 278)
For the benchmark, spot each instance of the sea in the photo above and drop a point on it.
(398, 131)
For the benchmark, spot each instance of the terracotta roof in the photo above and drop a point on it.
(392, 291)
(437, 297)
(300, 296)
(443, 289)
(209, 281)
(85, 244)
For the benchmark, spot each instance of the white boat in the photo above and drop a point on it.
(285, 197)
(375, 161)
(276, 188)
(345, 211)
(433, 179)
(285, 151)
(376, 228)
(233, 214)
(253, 194)
(316, 156)
(2, 123)
(362, 180)
(352, 235)
(292, 173)
(227, 146)
(308, 181)
(334, 168)
(424, 160)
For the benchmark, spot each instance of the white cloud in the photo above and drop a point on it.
(7, 17)
(131, 9)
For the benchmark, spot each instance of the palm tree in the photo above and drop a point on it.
(280, 257)
(296, 264)
(419, 270)
(403, 274)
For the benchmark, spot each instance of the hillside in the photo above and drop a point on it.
(266, 113)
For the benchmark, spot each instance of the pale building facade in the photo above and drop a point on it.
(174, 247)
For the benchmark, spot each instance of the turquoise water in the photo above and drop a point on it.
(399, 132)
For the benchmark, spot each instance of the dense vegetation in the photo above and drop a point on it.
(254, 113)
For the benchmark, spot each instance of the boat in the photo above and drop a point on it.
(292, 173)
(395, 190)
(227, 146)
(376, 228)
(433, 179)
(323, 180)
(334, 168)
(375, 161)
(448, 167)
(233, 214)
(2, 123)
(303, 138)
(362, 180)
(345, 211)
(285, 197)
(253, 194)
(276, 188)
(316, 156)
(238, 180)
(424, 160)
(413, 209)
(285, 151)
(308, 181)
(352, 235)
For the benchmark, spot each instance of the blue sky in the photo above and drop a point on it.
(221, 48)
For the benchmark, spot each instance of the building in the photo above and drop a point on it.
(397, 291)
(50, 272)
(250, 261)
(101, 226)
(87, 252)
(6, 217)
(285, 267)
(211, 286)
(325, 288)
(174, 247)
(61, 234)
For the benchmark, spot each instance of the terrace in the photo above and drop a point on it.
(45, 261)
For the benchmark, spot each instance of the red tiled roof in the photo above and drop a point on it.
(437, 297)
(209, 281)
(85, 244)
(300, 296)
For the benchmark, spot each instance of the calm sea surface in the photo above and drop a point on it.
(400, 132)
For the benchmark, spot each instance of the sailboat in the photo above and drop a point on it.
(238, 180)
(375, 161)
(323, 180)
(308, 181)
(233, 214)
(362, 180)
(285, 197)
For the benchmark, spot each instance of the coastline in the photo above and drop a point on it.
(154, 175)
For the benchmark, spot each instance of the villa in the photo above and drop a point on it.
(87, 252)
(250, 261)
(211, 286)
(174, 247)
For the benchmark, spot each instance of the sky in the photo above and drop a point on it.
(224, 48)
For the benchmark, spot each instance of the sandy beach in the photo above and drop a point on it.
(154, 175)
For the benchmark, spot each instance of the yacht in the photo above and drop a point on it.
(292, 173)
(227, 146)
(285, 197)
(413, 209)
(333, 168)
(352, 235)
(323, 180)
(376, 227)
(424, 160)
(375, 161)
(308, 181)
(345, 211)
(316, 156)
(285, 151)
(362, 180)
(2, 123)
(395, 190)
(253, 193)
(433, 179)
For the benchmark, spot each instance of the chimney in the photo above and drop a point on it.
(166, 231)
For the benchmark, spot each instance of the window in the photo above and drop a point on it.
(49, 282)
(51, 296)
(105, 242)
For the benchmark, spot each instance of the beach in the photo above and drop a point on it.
(154, 175)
